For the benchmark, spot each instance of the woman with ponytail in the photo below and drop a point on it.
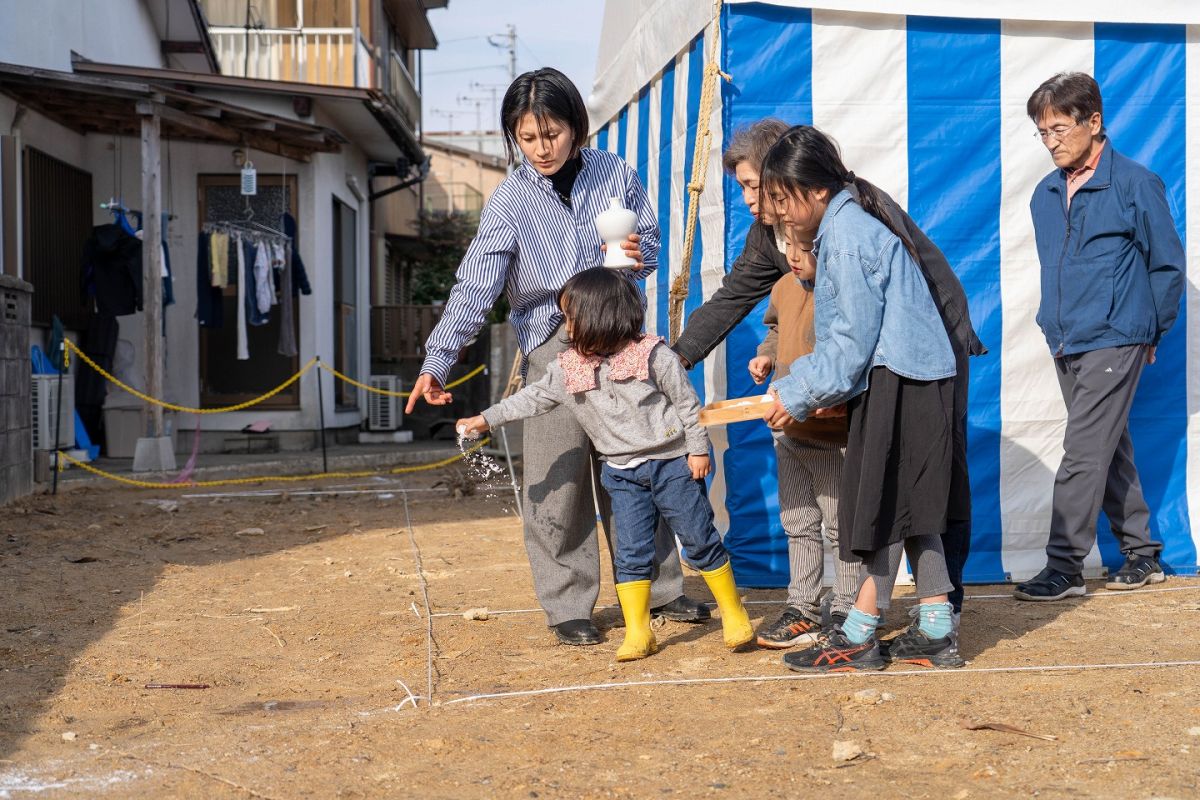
(881, 348)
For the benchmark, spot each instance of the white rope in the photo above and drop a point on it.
(412, 539)
(1195, 588)
(817, 676)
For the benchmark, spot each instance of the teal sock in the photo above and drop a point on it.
(935, 619)
(859, 626)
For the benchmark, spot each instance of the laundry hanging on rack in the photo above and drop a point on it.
(112, 270)
(210, 311)
(219, 253)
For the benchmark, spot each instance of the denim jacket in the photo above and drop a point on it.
(1112, 265)
(872, 309)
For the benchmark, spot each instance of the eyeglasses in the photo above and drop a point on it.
(1058, 132)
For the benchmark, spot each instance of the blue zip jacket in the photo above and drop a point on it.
(872, 308)
(1112, 266)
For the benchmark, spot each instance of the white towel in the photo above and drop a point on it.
(243, 346)
(264, 292)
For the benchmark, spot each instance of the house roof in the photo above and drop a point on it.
(368, 117)
(184, 35)
(409, 19)
(98, 104)
(486, 159)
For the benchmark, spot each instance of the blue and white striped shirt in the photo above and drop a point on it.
(529, 243)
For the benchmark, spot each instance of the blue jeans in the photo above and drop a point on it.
(640, 496)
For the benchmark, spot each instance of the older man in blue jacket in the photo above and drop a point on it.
(1112, 277)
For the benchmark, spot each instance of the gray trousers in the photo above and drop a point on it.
(560, 517)
(926, 559)
(809, 476)
(1097, 469)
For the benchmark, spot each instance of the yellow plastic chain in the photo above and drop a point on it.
(65, 458)
(188, 409)
(353, 382)
(708, 86)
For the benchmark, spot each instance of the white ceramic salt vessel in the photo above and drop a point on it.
(615, 224)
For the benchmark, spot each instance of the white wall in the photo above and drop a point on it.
(110, 31)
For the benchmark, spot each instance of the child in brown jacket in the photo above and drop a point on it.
(809, 455)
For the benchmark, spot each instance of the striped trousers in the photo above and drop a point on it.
(809, 476)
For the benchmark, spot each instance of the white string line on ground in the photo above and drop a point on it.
(899, 600)
(816, 676)
(412, 540)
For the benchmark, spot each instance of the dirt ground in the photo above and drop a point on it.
(309, 630)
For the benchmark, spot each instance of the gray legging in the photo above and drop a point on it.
(925, 558)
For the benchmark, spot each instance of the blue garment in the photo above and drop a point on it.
(1112, 266)
(299, 275)
(253, 315)
(529, 243)
(654, 488)
(872, 308)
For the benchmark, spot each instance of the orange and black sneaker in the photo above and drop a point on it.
(914, 647)
(792, 628)
(835, 653)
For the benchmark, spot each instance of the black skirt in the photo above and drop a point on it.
(899, 462)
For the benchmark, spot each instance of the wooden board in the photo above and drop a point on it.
(739, 409)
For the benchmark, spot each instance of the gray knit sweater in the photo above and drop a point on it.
(626, 419)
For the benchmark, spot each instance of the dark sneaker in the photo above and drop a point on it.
(1050, 584)
(914, 647)
(683, 609)
(1135, 573)
(836, 620)
(834, 653)
(792, 628)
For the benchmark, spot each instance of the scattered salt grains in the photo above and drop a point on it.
(481, 468)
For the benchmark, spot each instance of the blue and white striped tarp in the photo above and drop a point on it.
(932, 109)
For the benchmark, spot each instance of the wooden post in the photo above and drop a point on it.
(152, 267)
(155, 451)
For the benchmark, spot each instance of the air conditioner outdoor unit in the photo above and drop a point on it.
(45, 401)
(383, 411)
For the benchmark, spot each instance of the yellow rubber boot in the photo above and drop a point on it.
(635, 606)
(734, 621)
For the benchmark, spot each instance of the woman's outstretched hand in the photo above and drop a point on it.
(428, 387)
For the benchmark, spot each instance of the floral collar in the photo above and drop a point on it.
(633, 361)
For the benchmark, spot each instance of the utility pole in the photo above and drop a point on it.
(478, 101)
(507, 41)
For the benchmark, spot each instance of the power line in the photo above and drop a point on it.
(464, 69)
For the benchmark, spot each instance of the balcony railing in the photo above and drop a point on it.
(399, 331)
(307, 55)
(452, 198)
(403, 90)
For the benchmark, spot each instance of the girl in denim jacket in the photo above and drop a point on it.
(882, 349)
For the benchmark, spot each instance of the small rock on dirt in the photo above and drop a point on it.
(250, 532)
(69, 736)
(475, 613)
(1193, 731)
(867, 697)
(846, 750)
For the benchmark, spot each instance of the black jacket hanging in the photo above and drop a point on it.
(112, 270)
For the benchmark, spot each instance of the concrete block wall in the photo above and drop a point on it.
(16, 438)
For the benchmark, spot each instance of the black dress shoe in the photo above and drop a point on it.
(577, 632)
(683, 609)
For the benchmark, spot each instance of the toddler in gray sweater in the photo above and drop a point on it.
(633, 398)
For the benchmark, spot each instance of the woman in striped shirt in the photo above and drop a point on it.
(535, 232)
